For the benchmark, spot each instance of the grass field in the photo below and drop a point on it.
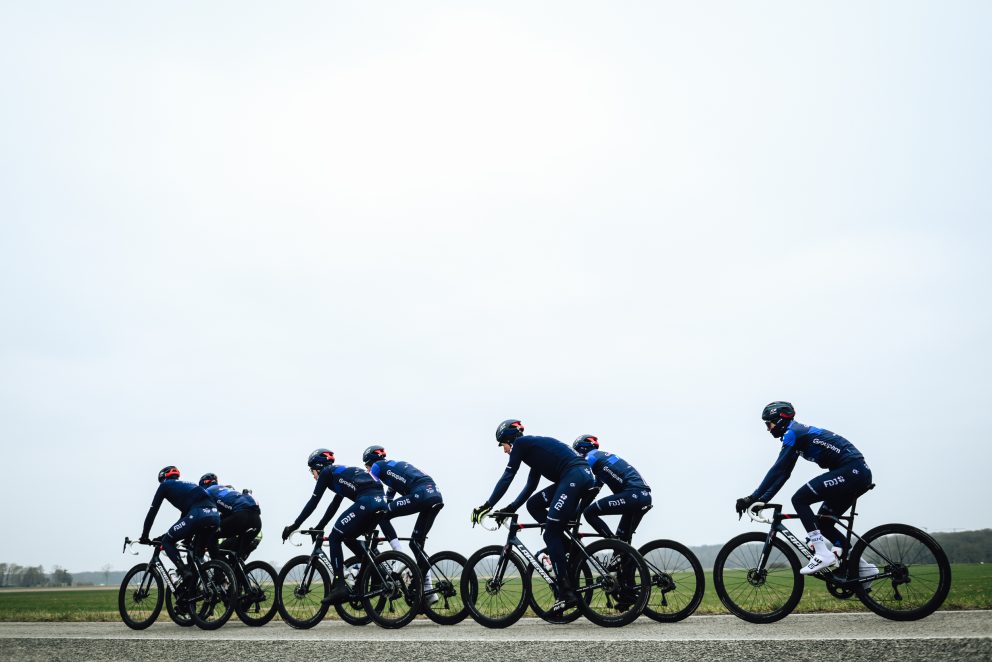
(971, 588)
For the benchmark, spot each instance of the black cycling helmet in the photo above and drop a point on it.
(508, 431)
(206, 480)
(320, 458)
(169, 473)
(373, 454)
(777, 416)
(585, 443)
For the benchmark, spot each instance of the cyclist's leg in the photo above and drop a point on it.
(430, 505)
(835, 484)
(564, 504)
(538, 504)
(640, 504)
(857, 479)
(355, 521)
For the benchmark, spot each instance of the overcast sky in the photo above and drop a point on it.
(233, 232)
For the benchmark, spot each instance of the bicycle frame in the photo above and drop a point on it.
(155, 564)
(318, 555)
(419, 556)
(513, 541)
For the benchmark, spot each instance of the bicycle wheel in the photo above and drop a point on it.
(391, 589)
(215, 596)
(916, 574)
(353, 611)
(256, 603)
(613, 585)
(677, 580)
(758, 595)
(541, 595)
(446, 575)
(140, 597)
(493, 588)
(302, 584)
(178, 610)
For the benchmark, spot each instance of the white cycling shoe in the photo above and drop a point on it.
(818, 563)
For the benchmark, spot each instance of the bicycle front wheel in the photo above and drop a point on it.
(613, 585)
(140, 597)
(914, 575)
(677, 580)
(391, 589)
(302, 584)
(352, 611)
(493, 587)
(756, 589)
(215, 596)
(257, 598)
(443, 602)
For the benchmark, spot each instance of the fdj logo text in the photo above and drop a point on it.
(561, 502)
(347, 518)
(833, 481)
(618, 502)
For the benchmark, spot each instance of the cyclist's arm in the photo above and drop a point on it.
(533, 478)
(507, 477)
(331, 511)
(374, 472)
(153, 511)
(777, 475)
(323, 482)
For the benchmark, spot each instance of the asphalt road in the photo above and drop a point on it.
(829, 637)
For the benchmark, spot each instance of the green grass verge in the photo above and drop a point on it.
(971, 588)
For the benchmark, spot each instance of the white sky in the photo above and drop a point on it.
(233, 232)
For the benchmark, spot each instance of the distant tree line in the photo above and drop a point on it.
(967, 546)
(30, 576)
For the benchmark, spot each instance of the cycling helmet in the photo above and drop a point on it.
(206, 480)
(585, 443)
(320, 458)
(169, 473)
(508, 431)
(373, 454)
(777, 415)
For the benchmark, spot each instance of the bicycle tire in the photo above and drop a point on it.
(677, 580)
(446, 570)
(541, 596)
(618, 596)
(140, 605)
(353, 612)
(921, 576)
(179, 616)
(494, 604)
(303, 583)
(748, 593)
(215, 596)
(395, 601)
(258, 597)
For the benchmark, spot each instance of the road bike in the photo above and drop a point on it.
(609, 576)
(388, 586)
(895, 570)
(209, 602)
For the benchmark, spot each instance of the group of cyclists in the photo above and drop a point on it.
(385, 489)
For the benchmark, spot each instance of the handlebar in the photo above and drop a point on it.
(306, 532)
(755, 508)
(502, 515)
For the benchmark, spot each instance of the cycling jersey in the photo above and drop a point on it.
(825, 448)
(611, 470)
(184, 496)
(545, 456)
(230, 501)
(350, 482)
(398, 477)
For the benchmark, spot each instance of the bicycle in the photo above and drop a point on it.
(896, 570)
(677, 581)
(209, 602)
(610, 578)
(258, 587)
(388, 585)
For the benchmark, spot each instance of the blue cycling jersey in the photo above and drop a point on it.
(399, 477)
(611, 470)
(545, 456)
(827, 449)
(184, 496)
(230, 501)
(350, 482)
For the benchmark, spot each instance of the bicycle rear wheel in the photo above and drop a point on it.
(257, 599)
(677, 580)
(916, 573)
(614, 585)
(353, 611)
(446, 569)
(391, 589)
(302, 584)
(542, 596)
(757, 594)
(493, 589)
(215, 596)
(139, 600)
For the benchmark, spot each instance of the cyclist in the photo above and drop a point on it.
(847, 478)
(369, 503)
(558, 463)
(240, 516)
(199, 520)
(631, 498)
(418, 494)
